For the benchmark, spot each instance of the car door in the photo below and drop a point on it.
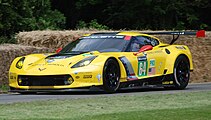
(149, 63)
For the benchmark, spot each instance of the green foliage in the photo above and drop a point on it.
(4, 39)
(203, 26)
(93, 24)
(141, 14)
(180, 25)
(4, 88)
(27, 15)
(83, 3)
(81, 25)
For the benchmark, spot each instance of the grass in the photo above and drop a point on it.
(4, 88)
(185, 106)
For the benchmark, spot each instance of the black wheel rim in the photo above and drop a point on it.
(112, 76)
(182, 72)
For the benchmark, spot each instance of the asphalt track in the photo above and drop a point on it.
(15, 97)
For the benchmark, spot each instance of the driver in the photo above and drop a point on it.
(135, 47)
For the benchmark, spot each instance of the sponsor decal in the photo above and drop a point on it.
(60, 65)
(13, 76)
(132, 78)
(105, 36)
(75, 73)
(142, 58)
(151, 71)
(98, 77)
(86, 54)
(151, 67)
(85, 73)
(142, 65)
(50, 60)
(41, 69)
(38, 64)
(30, 63)
(180, 47)
(159, 67)
(152, 63)
(142, 68)
(58, 57)
(87, 76)
(77, 77)
(167, 82)
(153, 52)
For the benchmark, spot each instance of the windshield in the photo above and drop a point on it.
(96, 43)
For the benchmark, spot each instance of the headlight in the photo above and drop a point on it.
(19, 64)
(84, 62)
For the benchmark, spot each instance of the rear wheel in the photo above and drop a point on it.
(181, 73)
(111, 76)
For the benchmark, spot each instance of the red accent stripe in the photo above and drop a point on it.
(127, 38)
(132, 74)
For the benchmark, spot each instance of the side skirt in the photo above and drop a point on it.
(159, 81)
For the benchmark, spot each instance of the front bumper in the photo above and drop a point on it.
(47, 80)
(81, 89)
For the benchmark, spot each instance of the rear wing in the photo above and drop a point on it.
(200, 33)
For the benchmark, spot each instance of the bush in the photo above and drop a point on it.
(27, 15)
(93, 24)
(4, 39)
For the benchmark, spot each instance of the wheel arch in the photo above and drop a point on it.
(123, 74)
(170, 62)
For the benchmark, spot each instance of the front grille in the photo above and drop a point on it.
(52, 80)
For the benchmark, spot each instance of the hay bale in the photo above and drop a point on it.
(8, 52)
(49, 39)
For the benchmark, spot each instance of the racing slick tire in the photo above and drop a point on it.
(181, 74)
(111, 76)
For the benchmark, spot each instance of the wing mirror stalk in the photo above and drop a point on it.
(58, 50)
(143, 49)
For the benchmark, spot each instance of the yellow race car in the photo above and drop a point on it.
(107, 61)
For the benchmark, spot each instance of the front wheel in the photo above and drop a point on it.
(111, 76)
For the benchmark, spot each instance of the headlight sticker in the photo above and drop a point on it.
(86, 61)
(19, 64)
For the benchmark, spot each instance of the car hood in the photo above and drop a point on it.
(53, 64)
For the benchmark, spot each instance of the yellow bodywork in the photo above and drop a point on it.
(92, 74)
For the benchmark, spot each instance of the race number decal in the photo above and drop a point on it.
(142, 68)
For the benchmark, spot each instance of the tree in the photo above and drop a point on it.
(138, 14)
(26, 15)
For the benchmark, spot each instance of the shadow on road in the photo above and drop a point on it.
(85, 92)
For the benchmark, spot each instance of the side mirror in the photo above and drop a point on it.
(144, 48)
(58, 50)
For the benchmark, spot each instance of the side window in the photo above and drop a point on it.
(148, 40)
(154, 42)
(136, 44)
(140, 41)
